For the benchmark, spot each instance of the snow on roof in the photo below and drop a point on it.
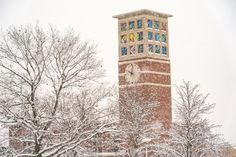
(142, 12)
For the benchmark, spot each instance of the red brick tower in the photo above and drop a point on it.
(144, 58)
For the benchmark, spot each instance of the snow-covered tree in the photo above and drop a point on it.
(192, 134)
(47, 98)
(140, 132)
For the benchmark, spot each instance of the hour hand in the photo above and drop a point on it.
(131, 72)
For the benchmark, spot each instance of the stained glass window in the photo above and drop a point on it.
(140, 23)
(132, 49)
(140, 36)
(150, 36)
(150, 48)
(123, 26)
(124, 39)
(164, 26)
(123, 51)
(164, 52)
(157, 36)
(140, 48)
(131, 25)
(131, 37)
(163, 38)
(149, 23)
(156, 24)
(157, 49)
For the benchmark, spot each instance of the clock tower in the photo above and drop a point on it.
(144, 58)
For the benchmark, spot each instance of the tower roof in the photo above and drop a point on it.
(142, 12)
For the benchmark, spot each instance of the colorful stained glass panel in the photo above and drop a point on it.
(157, 49)
(163, 38)
(131, 25)
(140, 36)
(149, 23)
(164, 51)
(157, 36)
(132, 49)
(123, 26)
(140, 23)
(123, 51)
(140, 48)
(150, 48)
(131, 37)
(156, 25)
(150, 36)
(124, 39)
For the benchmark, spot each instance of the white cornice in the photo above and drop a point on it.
(142, 12)
(142, 60)
(149, 72)
(142, 84)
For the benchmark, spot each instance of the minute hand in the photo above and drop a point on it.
(132, 68)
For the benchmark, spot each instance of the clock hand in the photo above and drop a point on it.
(132, 68)
(130, 72)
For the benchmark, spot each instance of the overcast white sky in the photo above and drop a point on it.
(202, 40)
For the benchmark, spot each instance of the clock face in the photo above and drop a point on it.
(132, 73)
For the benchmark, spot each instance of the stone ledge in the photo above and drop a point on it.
(142, 12)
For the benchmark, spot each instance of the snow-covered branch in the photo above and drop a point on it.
(49, 91)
